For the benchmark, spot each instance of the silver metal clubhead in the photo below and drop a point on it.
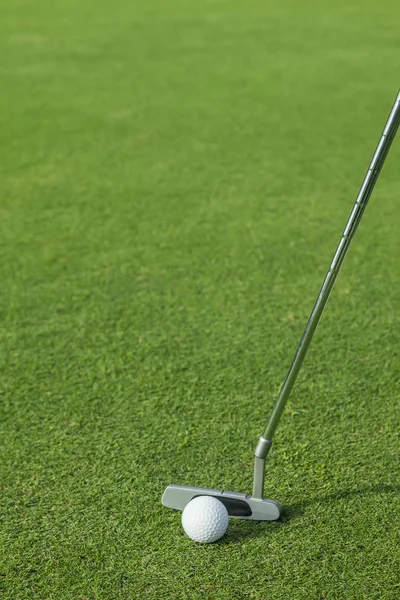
(239, 505)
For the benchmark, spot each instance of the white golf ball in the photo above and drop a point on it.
(205, 519)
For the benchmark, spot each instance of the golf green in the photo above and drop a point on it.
(174, 179)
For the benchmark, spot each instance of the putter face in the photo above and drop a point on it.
(238, 505)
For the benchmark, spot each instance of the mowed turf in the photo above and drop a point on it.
(175, 177)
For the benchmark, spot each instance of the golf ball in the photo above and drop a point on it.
(205, 519)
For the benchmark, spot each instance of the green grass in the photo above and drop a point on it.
(174, 179)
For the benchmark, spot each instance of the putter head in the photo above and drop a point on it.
(239, 505)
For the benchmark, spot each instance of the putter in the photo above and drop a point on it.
(256, 507)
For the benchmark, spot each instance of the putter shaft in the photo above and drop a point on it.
(378, 159)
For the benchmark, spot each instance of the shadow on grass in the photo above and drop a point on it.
(293, 511)
(241, 530)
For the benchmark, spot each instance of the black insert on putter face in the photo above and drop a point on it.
(235, 507)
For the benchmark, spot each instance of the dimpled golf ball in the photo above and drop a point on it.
(205, 519)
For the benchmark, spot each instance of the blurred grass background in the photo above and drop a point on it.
(174, 178)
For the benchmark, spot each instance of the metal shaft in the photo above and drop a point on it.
(265, 441)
